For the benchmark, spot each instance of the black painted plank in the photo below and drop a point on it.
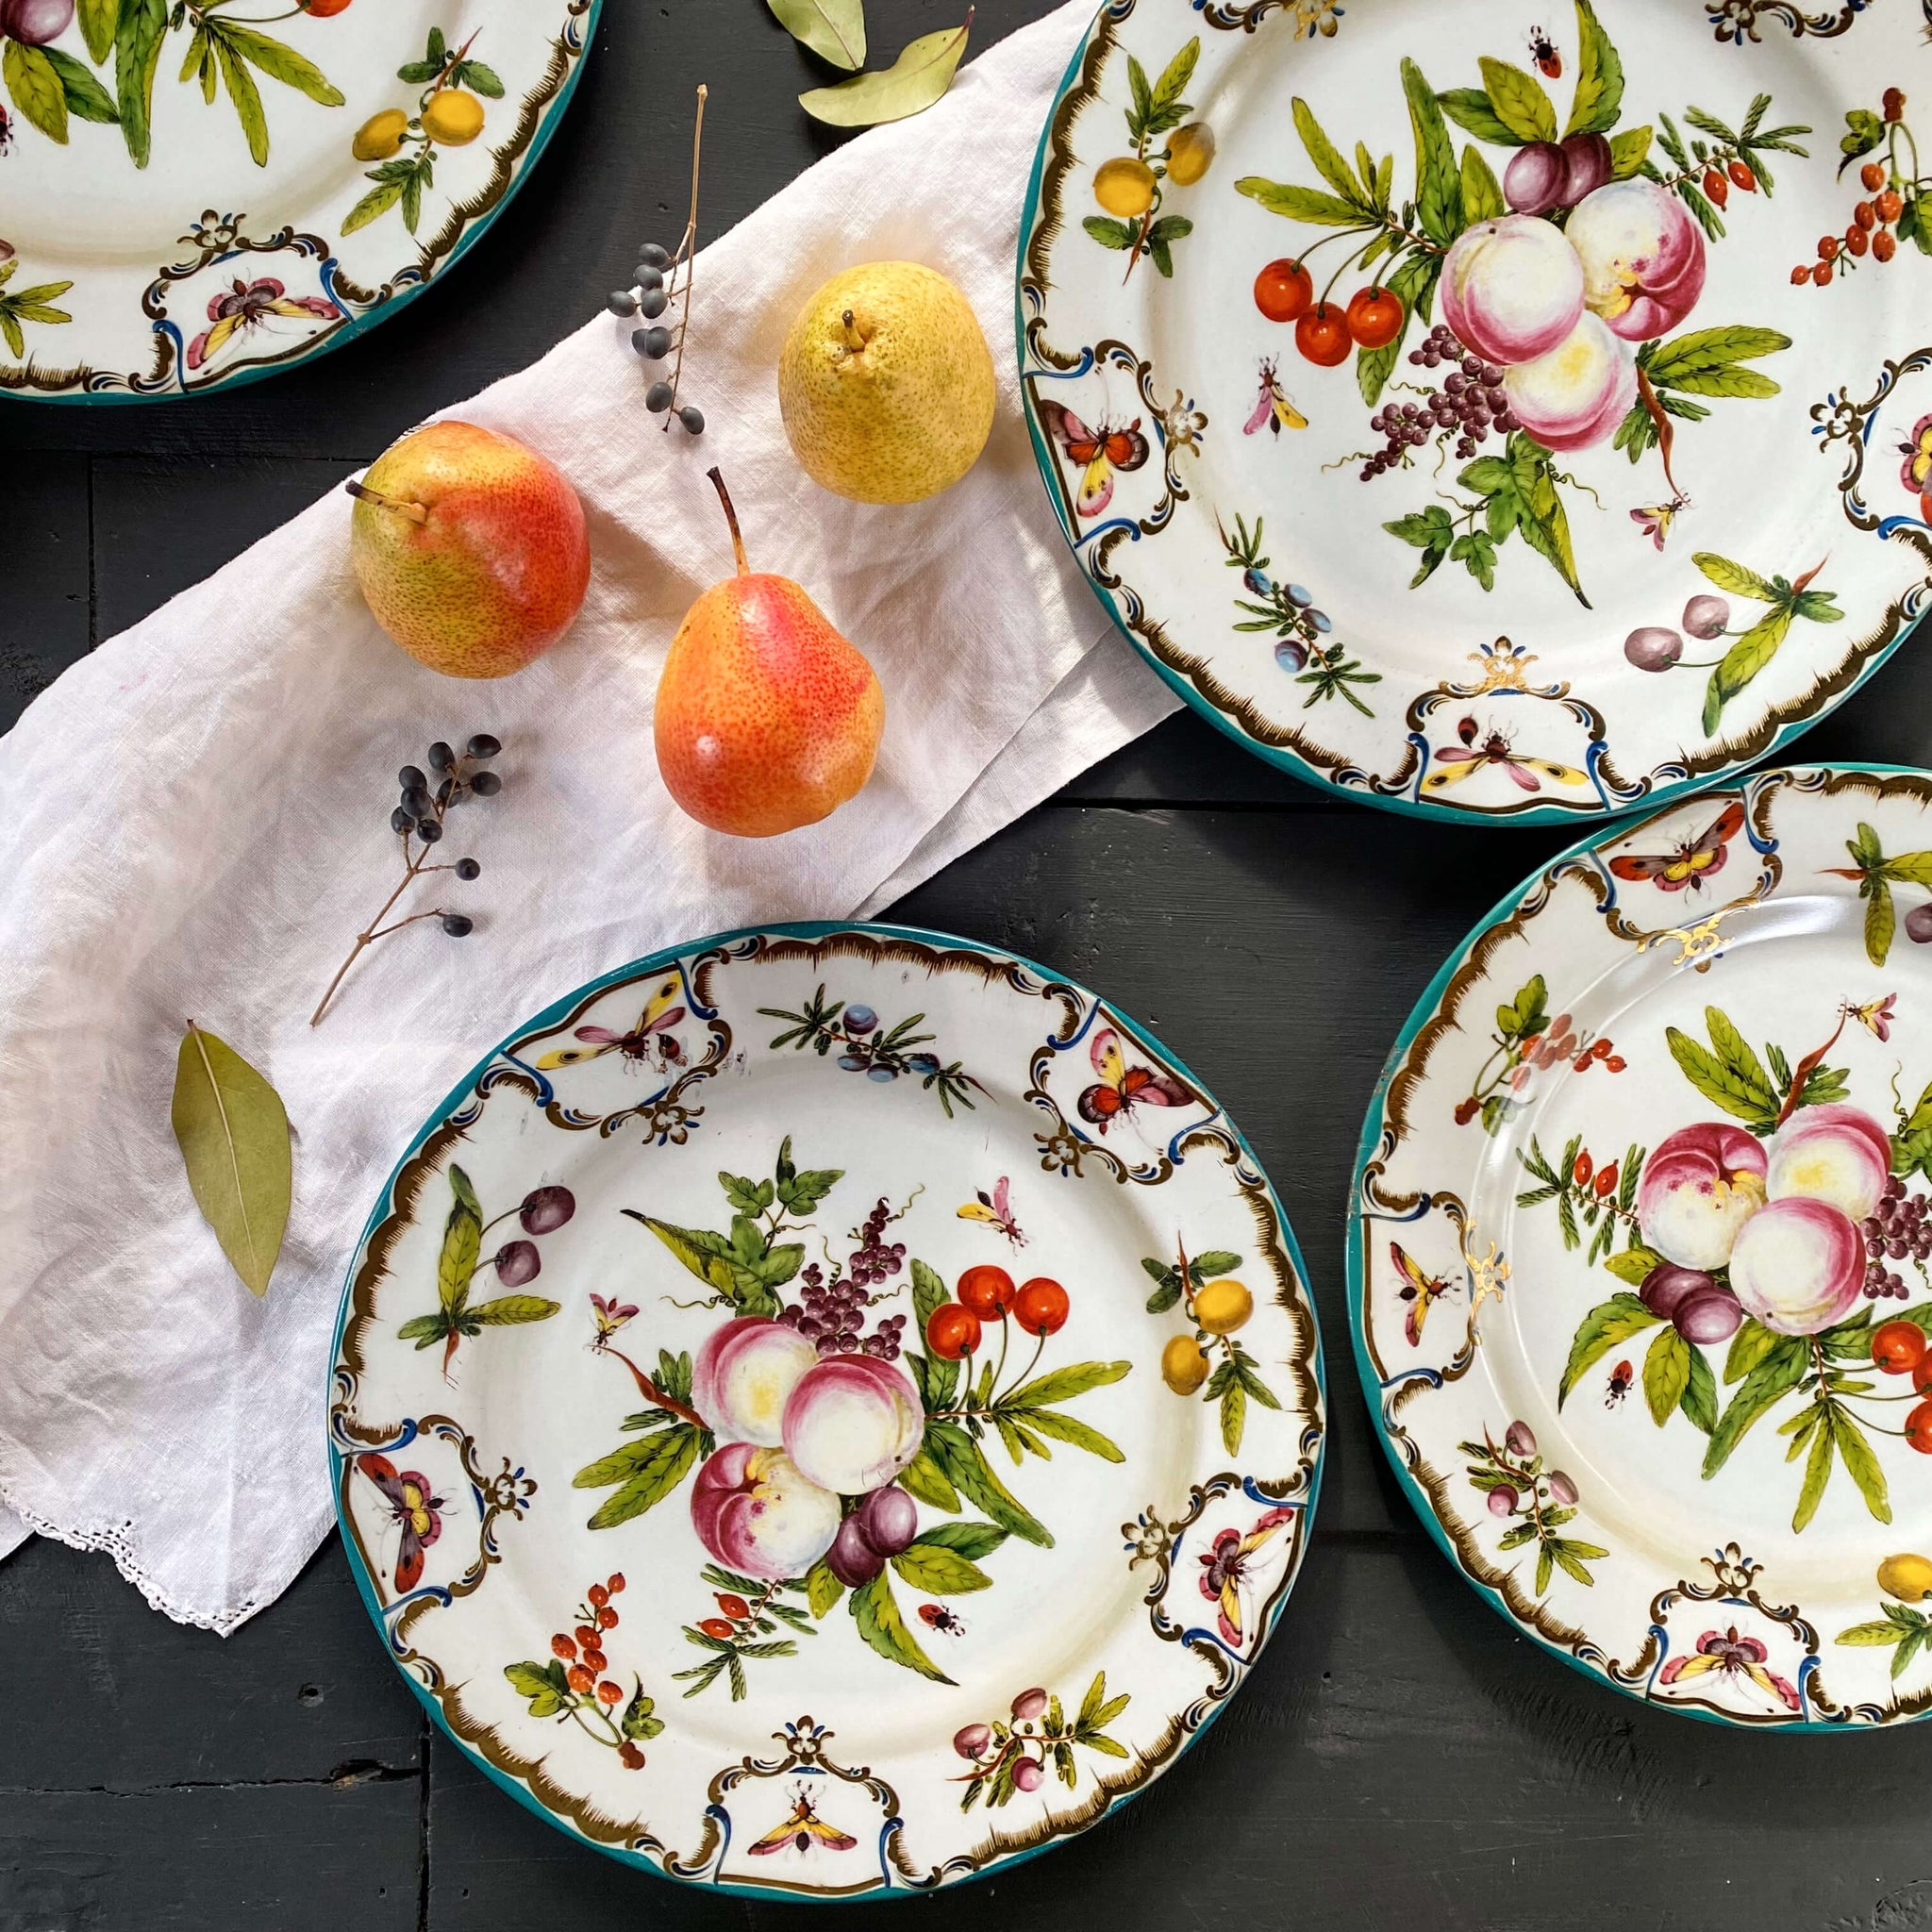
(108, 1696)
(1398, 1757)
(43, 600)
(616, 173)
(164, 522)
(276, 1857)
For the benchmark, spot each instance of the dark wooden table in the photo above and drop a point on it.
(1399, 1758)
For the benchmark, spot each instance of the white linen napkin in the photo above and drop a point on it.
(193, 823)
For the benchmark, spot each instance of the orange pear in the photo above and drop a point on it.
(767, 718)
(470, 549)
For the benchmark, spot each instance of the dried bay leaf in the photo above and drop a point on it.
(234, 1140)
(833, 29)
(910, 85)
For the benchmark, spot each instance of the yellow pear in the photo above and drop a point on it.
(885, 384)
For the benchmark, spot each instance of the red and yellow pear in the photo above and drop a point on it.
(767, 718)
(470, 548)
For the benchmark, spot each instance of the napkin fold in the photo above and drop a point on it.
(194, 825)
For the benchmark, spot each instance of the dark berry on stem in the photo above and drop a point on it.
(649, 277)
(653, 255)
(621, 302)
(410, 778)
(482, 746)
(654, 342)
(457, 924)
(658, 398)
(416, 802)
(429, 831)
(692, 418)
(651, 303)
(440, 756)
(468, 869)
(400, 821)
(444, 790)
(486, 784)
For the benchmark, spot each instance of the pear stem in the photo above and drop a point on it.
(731, 518)
(416, 513)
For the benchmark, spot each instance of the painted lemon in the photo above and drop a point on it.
(380, 136)
(1190, 150)
(1908, 1578)
(1125, 187)
(453, 117)
(1183, 1367)
(1223, 1306)
(885, 384)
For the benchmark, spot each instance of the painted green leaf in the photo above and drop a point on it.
(822, 1589)
(833, 29)
(1737, 1053)
(1746, 657)
(659, 1463)
(876, 1612)
(1541, 515)
(1749, 1346)
(1471, 110)
(1817, 1474)
(85, 97)
(378, 201)
(1174, 76)
(510, 1309)
(928, 1292)
(1062, 1385)
(1734, 578)
(1630, 150)
(1784, 1365)
(1299, 204)
(1706, 357)
(1111, 233)
(138, 36)
(1717, 1081)
(1861, 1464)
(939, 1572)
(1699, 1399)
(1521, 104)
(423, 1330)
(1325, 154)
(279, 61)
(1482, 193)
(965, 1466)
(463, 1240)
(922, 1477)
(1666, 1373)
(1224, 1260)
(246, 97)
(913, 82)
(35, 88)
(637, 1720)
(1633, 1265)
(1438, 178)
(1874, 1634)
(1599, 96)
(484, 80)
(697, 1248)
(98, 20)
(1233, 1415)
(234, 1140)
(1600, 1331)
(972, 1540)
(1066, 1428)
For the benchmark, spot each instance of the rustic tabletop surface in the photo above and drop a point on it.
(1399, 1756)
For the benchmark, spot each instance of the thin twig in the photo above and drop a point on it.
(687, 254)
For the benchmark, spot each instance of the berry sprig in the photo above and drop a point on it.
(1468, 401)
(572, 1687)
(1895, 1230)
(418, 820)
(831, 1313)
(1889, 210)
(658, 286)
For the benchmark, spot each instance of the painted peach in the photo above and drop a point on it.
(1577, 392)
(1701, 1185)
(1798, 1265)
(1835, 1153)
(853, 1423)
(757, 1515)
(744, 1376)
(1511, 289)
(1642, 258)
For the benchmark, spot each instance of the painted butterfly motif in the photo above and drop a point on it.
(1097, 453)
(1479, 749)
(1654, 521)
(610, 1315)
(996, 1210)
(803, 1830)
(1915, 473)
(413, 1507)
(1421, 1291)
(1122, 1088)
(1225, 1569)
(659, 1013)
(1692, 862)
(1275, 410)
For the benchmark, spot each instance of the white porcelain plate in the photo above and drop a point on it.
(774, 1432)
(198, 192)
(1640, 1253)
(1516, 409)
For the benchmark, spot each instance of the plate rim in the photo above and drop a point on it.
(808, 930)
(358, 327)
(1280, 757)
(1419, 1014)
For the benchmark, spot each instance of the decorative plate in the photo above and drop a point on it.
(1488, 409)
(198, 192)
(830, 1410)
(1638, 1253)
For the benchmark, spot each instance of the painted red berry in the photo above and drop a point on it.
(1828, 247)
(1894, 104)
(599, 1595)
(595, 1660)
(608, 1692)
(1042, 1307)
(1801, 274)
(1856, 241)
(1918, 1429)
(1898, 1347)
(988, 1290)
(607, 1619)
(586, 1635)
(1615, 1063)
(715, 1627)
(1585, 1167)
(1606, 1182)
(1716, 187)
(629, 1756)
(951, 1331)
(1866, 215)
(733, 1607)
(1885, 244)
(1821, 273)
(580, 1680)
(1873, 175)
(1742, 176)
(564, 1646)
(1887, 206)
(615, 1583)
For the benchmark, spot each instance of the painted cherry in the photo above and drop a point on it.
(1322, 335)
(1899, 1348)
(323, 10)
(1918, 1429)
(988, 1290)
(1283, 290)
(1375, 317)
(1042, 1307)
(951, 1331)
